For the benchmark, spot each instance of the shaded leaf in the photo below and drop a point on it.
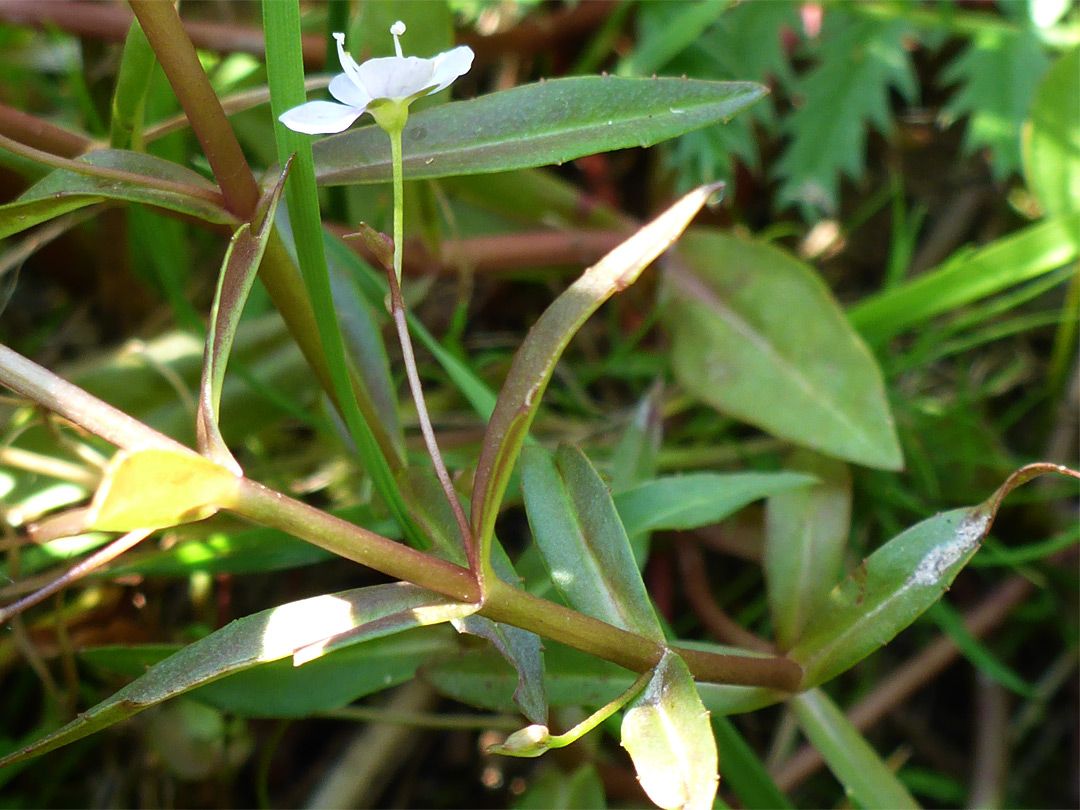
(238, 270)
(744, 772)
(698, 499)
(865, 777)
(533, 125)
(554, 790)
(535, 361)
(280, 689)
(757, 334)
(667, 733)
(573, 678)
(861, 61)
(305, 628)
(806, 532)
(63, 190)
(583, 542)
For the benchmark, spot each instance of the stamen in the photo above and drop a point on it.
(397, 29)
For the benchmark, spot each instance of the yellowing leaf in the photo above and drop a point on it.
(153, 488)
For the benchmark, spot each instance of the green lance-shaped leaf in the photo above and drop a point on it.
(535, 125)
(757, 334)
(806, 531)
(535, 360)
(1050, 138)
(667, 733)
(158, 487)
(698, 499)
(888, 591)
(63, 190)
(583, 542)
(744, 772)
(865, 777)
(238, 270)
(304, 630)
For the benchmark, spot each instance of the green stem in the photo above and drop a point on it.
(399, 197)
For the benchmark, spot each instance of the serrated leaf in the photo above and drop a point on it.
(63, 190)
(305, 627)
(997, 73)
(667, 733)
(861, 60)
(583, 542)
(1051, 138)
(806, 532)
(698, 499)
(865, 777)
(887, 592)
(533, 125)
(155, 487)
(535, 360)
(757, 334)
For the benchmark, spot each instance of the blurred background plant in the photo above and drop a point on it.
(922, 160)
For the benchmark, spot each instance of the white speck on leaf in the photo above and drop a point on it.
(940, 558)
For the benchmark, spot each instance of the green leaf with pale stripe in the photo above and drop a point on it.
(533, 125)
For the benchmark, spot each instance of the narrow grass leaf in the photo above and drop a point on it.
(667, 733)
(533, 125)
(951, 623)
(865, 777)
(280, 632)
(583, 542)
(744, 772)
(806, 532)
(757, 334)
(698, 499)
(281, 24)
(969, 276)
(540, 351)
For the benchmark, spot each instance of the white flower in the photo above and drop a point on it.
(398, 80)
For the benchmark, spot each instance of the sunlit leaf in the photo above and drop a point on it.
(667, 733)
(154, 488)
(1050, 138)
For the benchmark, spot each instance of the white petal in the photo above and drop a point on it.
(450, 65)
(348, 64)
(345, 90)
(396, 77)
(320, 117)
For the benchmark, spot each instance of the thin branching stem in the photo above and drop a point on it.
(397, 306)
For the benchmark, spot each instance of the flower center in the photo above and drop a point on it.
(397, 29)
